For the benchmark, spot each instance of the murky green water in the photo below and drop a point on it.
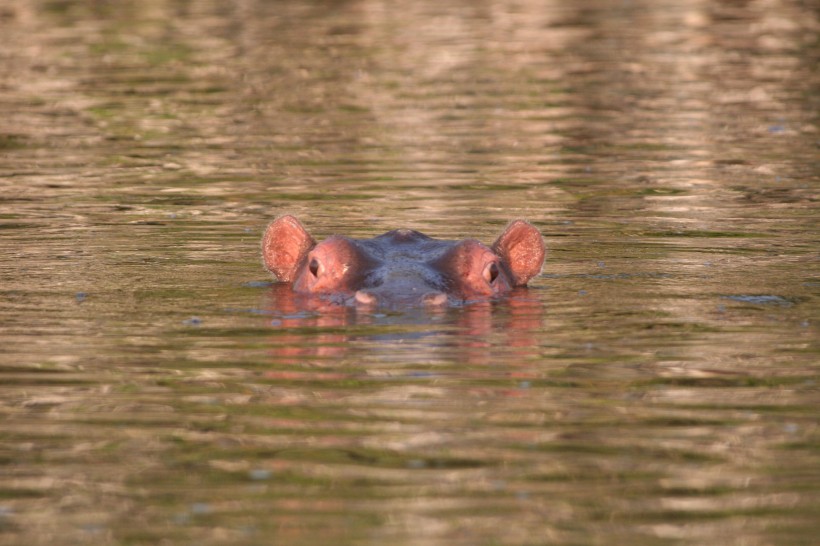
(658, 384)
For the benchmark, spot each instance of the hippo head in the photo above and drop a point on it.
(402, 267)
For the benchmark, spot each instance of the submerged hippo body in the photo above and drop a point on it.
(401, 267)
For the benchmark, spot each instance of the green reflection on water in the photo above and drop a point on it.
(659, 387)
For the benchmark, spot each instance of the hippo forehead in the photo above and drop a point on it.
(402, 258)
(404, 247)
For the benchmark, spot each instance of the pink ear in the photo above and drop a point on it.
(284, 246)
(522, 249)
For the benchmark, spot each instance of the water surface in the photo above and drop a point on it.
(656, 385)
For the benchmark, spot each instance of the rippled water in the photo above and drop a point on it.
(656, 385)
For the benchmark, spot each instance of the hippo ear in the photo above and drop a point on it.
(522, 250)
(284, 246)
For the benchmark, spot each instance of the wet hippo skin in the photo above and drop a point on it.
(401, 267)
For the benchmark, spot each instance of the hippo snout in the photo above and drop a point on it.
(372, 297)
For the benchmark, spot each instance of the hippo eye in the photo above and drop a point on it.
(313, 266)
(491, 273)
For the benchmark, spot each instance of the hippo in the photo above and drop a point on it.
(402, 267)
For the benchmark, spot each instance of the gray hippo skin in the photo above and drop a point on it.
(401, 267)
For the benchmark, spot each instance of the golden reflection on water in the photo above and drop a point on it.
(657, 383)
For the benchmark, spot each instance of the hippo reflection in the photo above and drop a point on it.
(402, 267)
(311, 333)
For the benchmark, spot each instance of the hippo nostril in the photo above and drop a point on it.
(314, 267)
(434, 298)
(365, 298)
